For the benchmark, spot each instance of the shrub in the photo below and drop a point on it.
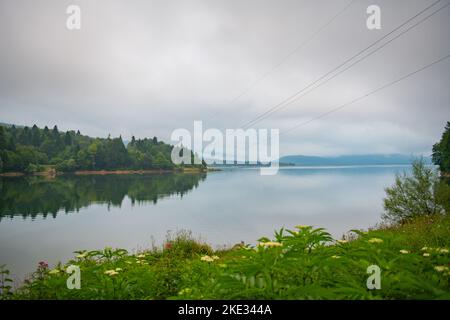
(412, 195)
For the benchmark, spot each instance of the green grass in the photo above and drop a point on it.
(303, 263)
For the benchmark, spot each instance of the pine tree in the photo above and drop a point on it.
(67, 139)
(441, 150)
(35, 136)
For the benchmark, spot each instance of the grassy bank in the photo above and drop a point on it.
(303, 263)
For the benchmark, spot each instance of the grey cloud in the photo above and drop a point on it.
(149, 67)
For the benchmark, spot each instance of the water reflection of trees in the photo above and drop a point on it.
(33, 196)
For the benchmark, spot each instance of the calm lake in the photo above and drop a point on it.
(48, 219)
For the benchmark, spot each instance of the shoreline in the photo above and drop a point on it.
(52, 173)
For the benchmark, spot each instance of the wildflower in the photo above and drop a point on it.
(168, 246)
(342, 241)
(440, 268)
(141, 256)
(54, 271)
(215, 257)
(424, 249)
(111, 272)
(43, 265)
(375, 240)
(118, 269)
(207, 259)
(270, 244)
(128, 262)
(335, 257)
(443, 250)
(426, 254)
(301, 227)
(404, 251)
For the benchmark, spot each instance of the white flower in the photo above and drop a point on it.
(270, 244)
(440, 268)
(375, 240)
(404, 251)
(426, 254)
(111, 273)
(207, 259)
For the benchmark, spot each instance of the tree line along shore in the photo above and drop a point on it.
(25, 150)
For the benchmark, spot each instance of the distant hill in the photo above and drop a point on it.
(349, 160)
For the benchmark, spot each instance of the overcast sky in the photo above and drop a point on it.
(145, 68)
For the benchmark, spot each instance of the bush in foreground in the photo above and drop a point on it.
(418, 194)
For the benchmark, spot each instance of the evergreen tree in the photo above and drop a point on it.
(441, 150)
(35, 136)
(67, 139)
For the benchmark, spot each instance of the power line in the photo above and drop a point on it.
(293, 96)
(366, 95)
(372, 52)
(286, 57)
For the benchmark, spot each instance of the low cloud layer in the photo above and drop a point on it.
(145, 68)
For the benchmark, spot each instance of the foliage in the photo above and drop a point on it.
(412, 195)
(304, 263)
(25, 149)
(441, 150)
(5, 283)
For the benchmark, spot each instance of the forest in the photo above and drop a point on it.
(30, 150)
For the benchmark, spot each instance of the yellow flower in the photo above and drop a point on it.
(440, 268)
(207, 259)
(375, 240)
(54, 271)
(404, 251)
(426, 254)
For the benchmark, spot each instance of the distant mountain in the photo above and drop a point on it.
(349, 160)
